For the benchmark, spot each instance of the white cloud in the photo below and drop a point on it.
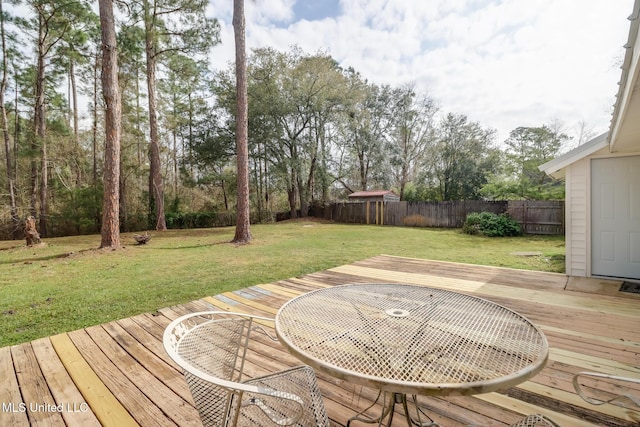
(504, 63)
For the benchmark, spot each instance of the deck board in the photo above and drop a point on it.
(101, 401)
(10, 392)
(120, 373)
(33, 387)
(62, 386)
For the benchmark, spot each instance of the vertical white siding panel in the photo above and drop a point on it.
(576, 218)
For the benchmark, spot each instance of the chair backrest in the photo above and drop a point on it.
(211, 347)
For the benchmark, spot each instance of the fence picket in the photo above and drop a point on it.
(535, 216)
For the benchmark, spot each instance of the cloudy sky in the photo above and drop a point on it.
(503, 63)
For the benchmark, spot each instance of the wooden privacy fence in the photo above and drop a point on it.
(538, 217)
(535, 217)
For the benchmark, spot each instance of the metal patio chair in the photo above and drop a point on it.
(211, 348)
(535, 420)
(601, 399)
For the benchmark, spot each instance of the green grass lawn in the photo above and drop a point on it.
(66, 283)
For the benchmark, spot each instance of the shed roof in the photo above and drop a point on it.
(373, 193)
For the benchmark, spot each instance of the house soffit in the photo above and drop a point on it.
(624, 131)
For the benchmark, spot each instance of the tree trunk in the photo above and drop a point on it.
(363, 170)
(257, 187)
(294, 188)
(291, 195)
(40, 130)
(94, 137)
(224, 195)
(94, 132)
(74, 97)
(76, 132)
(138, 118)
(174, 134)
(156, 190)
(324, 152)
(243, 232)
(304, 199)
(124, 213)
(16, 120)
(307, 194)
(30, 232)
(111, 200)
(15, 225)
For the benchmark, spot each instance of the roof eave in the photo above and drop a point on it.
(628, 78)
(556, 167)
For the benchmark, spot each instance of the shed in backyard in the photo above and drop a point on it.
(374, 196)
(602, 179)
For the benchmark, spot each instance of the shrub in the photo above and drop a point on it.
(191, 219)
(491, 225)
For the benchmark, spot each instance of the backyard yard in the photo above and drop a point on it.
(65, 283)
(119, 374)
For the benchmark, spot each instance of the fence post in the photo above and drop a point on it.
(366, 213)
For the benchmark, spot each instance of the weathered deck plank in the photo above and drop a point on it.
(118, 373)
(101, 401)
(10, 395)
(62, 386)
(33, 387)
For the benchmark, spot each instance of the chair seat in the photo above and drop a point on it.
(535, 420)
(300, 381)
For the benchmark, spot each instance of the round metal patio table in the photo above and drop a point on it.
(411, 340)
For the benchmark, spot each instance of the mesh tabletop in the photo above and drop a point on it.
(412, 339)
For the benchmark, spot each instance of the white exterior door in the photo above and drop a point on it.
(615, 217)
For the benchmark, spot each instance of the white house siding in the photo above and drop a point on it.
(576, 212)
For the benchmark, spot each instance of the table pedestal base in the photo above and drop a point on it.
(420, 419)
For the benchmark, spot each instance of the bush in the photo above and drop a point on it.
(491, 225)
(189, 220)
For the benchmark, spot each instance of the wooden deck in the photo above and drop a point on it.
(118, 374)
